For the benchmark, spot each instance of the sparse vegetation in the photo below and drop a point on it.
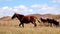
(41, 30)
(8, 26)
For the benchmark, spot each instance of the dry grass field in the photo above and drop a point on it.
(8, 26)
(40, 30)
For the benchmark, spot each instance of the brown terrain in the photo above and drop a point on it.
(7, 24)
(6, 20)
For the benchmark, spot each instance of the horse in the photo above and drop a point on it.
(43, 20)
(52, 21)
(25, 19)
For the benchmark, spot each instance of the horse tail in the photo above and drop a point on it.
(38, 20)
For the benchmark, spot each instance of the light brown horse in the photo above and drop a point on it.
(25, 19)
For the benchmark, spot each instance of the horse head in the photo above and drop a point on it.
(19, 16)
(14, 16)
(40, 18)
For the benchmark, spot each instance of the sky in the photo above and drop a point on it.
(26, 7)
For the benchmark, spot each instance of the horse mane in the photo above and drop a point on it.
(19, 14)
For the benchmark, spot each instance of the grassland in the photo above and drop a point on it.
(41, 30)
(11, 27)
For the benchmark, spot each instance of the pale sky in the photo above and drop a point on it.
(9, 7)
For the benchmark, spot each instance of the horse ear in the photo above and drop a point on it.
(15, 13)
(41, 18)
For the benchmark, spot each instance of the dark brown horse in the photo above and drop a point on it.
(25, 19)
(51, 21)
(43, 20)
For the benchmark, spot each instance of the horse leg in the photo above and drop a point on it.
(34, 24)
(22, 24)
(51, 24)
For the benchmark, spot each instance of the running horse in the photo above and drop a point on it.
(25, 19)
(51, 21)
(43, 20)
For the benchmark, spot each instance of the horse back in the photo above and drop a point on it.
(27, 18)
(33, 17)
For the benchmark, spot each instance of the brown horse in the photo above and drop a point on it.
(25, 19)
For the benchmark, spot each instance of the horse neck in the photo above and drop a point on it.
(41, 19)
(19, 18)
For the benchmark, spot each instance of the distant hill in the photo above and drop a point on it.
(37, 15)
(42, 15)
(5, 18)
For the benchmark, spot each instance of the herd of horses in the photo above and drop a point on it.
(32, 19)
(50, 21)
